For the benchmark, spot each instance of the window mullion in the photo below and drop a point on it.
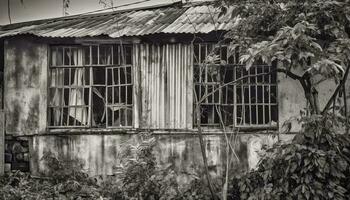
(113, 95)
(90, 88)
(106, 94)
(62, 98)
(270, 120)
(234, 98)
(250, 99)
(256, 96)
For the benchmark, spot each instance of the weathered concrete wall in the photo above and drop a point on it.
(25, 86)
(347, 88)
(1, 72)
(26, 102)
(100, 153)
(2, 142)
(292, 101)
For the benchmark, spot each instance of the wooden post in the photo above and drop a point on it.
(2, 142)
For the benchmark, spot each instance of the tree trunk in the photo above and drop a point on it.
(204, 156)
(341, 84)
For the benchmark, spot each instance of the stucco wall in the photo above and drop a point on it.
(25, 86)
(26, 102)
(101, 153)
(2, 142)
(292, 101)
(26, 90)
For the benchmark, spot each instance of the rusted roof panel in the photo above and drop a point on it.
(200, 18)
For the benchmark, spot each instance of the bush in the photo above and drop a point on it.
(141, 178)
(67, 181)
(315, 165)
(137, 177)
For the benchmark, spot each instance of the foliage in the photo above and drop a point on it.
(66, 181)
(316, 165)
(311, 35)
(137, 177)
(142, 178)
(293, 32)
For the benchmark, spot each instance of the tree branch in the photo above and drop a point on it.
(346, 110)
(288, 73)
(9, 11)
(341, 84)
(203, 150)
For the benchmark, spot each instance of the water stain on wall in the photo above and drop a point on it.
(31, 123)
(24, 95)
(11, 125)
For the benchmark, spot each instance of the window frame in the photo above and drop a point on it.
(88, 84)
(231, 59)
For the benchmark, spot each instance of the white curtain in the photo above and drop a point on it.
(57, 81)
(76, 97)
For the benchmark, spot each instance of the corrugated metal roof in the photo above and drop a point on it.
(171, 18)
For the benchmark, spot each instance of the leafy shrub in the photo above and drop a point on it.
(137, 177)
(314, 166)
(142, 178)
(67, 181)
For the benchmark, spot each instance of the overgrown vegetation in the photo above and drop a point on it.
(137, 177)
(311, 35)
(315, 165)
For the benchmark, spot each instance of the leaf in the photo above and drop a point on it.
(342, 165)
(249, 64)
(223, 11)
(316, 45)
(307, 194)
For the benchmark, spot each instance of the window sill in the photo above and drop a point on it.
(128, 130)
(90, 130)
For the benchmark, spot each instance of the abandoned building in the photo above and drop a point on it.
(82, 86)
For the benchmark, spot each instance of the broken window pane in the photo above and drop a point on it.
(98, 107)
(119, 96)
(78, 91)
(99, 76)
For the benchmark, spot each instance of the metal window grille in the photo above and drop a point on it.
(80, 78)
(229, 92)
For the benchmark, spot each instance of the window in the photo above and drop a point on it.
(90, 86)
(231, 95)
